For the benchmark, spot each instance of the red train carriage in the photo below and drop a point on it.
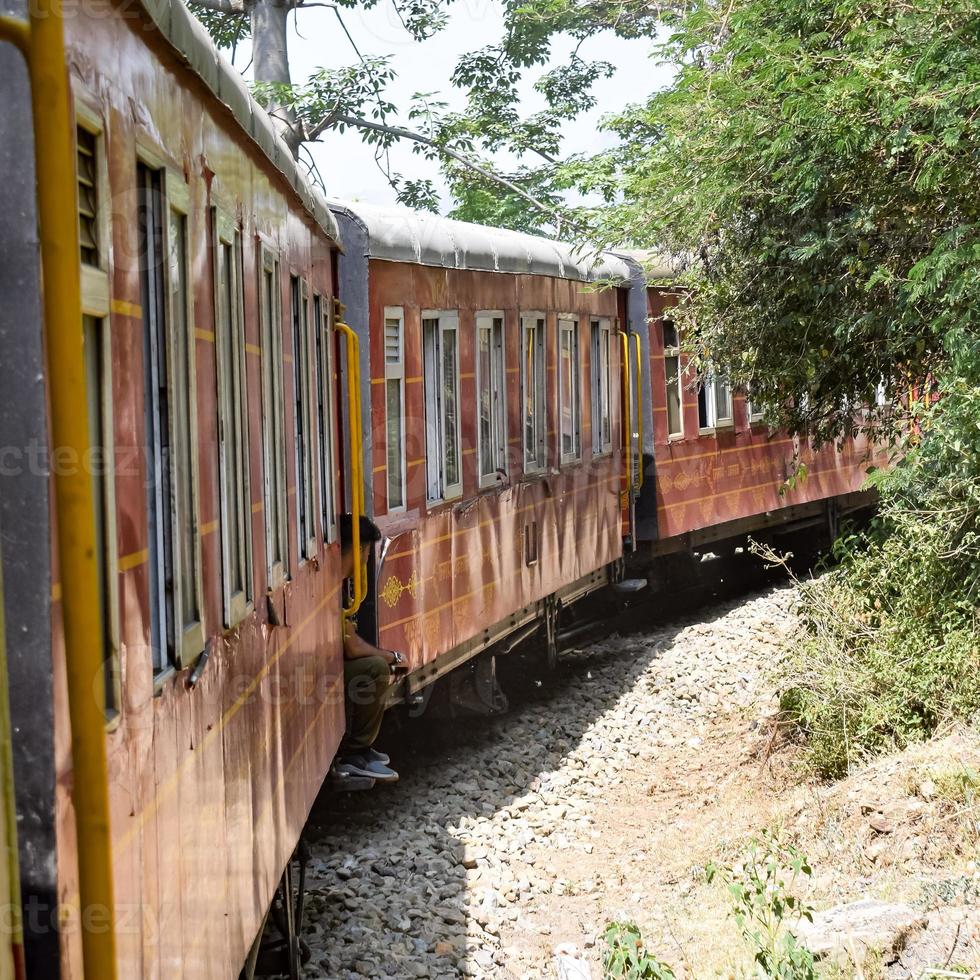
(716, 472)
(492, 432)
(207, 296)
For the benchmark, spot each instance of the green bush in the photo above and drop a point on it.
(626, 958)
(891, 647)
(765, 906)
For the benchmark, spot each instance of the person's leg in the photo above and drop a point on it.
(366, 686)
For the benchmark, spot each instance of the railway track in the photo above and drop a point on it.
(440, 875)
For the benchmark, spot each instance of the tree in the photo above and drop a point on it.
(463, 143)
(814, 166)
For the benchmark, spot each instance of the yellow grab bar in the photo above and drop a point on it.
(356, 462)
(639, 411)
(627, 409)
(43, 44)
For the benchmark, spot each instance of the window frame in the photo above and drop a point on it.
(568, 324)
(394, 371)
(752, 413)
(448, 322)
(709, 385)
(107, 542)
(326, 410)
(306, 496)
(274, 447)
(672, 353)
(600, 333)
(232, 418)
(180, 643)
(539, 461)
(95, 306)
(177, 199)
(495, 322)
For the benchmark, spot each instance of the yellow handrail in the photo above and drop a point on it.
(43, 44)
(627, 409)
(639, 411)
(356, 463)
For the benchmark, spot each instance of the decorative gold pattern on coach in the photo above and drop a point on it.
(394, 588)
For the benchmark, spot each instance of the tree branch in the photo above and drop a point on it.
(407, 134)
(224, 6)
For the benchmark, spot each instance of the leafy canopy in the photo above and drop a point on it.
(465, 143)
(815, 165)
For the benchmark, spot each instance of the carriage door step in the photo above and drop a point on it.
(629, 585)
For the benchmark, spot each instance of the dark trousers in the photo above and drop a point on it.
(366, 687)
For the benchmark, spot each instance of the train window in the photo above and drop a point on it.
(86, 148)
(440, 352)
(672, 379)
(714, 403)
(753, 409)
(98, 386)
(533, 391)
(273, 421)
(569, 393)
(395, 405)
(601, 385)
(305, 496)
(491, 398)
(92, 179)
(233, 457)
(177, 630)
(325, 413)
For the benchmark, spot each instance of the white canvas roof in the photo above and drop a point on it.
(401, 235)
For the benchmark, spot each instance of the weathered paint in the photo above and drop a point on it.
(209, 786)
(456, 568)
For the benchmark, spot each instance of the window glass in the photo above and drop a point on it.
(236, 552)
(672, 377)
(568, 388)
(723, 401)
(450, 420)
(491, 401)
(600, 367)
(533, 391)
(305, 527)
(273, 422)
(98, 391)
(714, 403)
(325, 412)
(181, 462)
(441, 376)
(177, 634)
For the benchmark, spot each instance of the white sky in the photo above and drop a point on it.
(347, 165)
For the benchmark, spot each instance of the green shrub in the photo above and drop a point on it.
(891, 647)
(764, 906)
(626, 959)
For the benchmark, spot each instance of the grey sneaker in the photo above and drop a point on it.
(361, 765)
(343, 777)
(373, 755)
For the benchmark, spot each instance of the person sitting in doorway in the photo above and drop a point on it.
(367, 673)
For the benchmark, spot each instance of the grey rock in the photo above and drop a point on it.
(857, 928)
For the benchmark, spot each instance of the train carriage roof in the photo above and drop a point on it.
(401, 235)
(193, 43)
